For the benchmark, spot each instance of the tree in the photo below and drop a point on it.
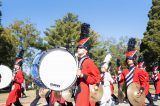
(67, 29)
(8, 44)
(63, 32)
(150, 46)
(28, 37)
(26, 33)
(98, 53)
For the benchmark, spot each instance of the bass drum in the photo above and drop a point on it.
(6, 76)
(35, 70)
(58, 69)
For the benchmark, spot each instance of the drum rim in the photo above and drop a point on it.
(63, 49)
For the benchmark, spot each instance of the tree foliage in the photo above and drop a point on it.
(26, 33)
(150, 46)
(28, 37)
(8, 44)
(66, 30)
(20, 33)
(117, 50)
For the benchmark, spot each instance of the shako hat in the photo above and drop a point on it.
(84, 37)
(131, 52)
(19, 58)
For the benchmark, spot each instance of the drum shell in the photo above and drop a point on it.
(35, 70)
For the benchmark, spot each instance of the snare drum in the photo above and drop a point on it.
(58, 69)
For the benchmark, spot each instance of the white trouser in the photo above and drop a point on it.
(106, 99)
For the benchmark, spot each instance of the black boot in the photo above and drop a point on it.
(63, 104)
(156, 97)
(69, 104)
(125, 100)
(115, 99)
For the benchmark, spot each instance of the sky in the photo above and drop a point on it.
(110, 18)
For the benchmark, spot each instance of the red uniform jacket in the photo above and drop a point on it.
(15, 93)
(91, 75)
(156, 78)
(138, 77)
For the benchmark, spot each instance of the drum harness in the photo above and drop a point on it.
(76, 89)
(14, 74)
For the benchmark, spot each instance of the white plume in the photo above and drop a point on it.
(107, 59)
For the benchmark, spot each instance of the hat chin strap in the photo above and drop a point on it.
(82, 55)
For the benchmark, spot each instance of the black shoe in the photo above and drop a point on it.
(125, 101)
(151, 104)
(156, 97)
(116, 102)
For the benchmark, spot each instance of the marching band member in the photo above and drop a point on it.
(18, 78)
(133, 73)
(106, 79)
(142, 66)
(156, 79)
(88, 72)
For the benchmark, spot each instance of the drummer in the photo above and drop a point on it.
(88, 72)
(133, 74)
(15, 94)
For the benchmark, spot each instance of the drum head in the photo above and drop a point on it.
(58, 69)
(35, 70)
(6, 76)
